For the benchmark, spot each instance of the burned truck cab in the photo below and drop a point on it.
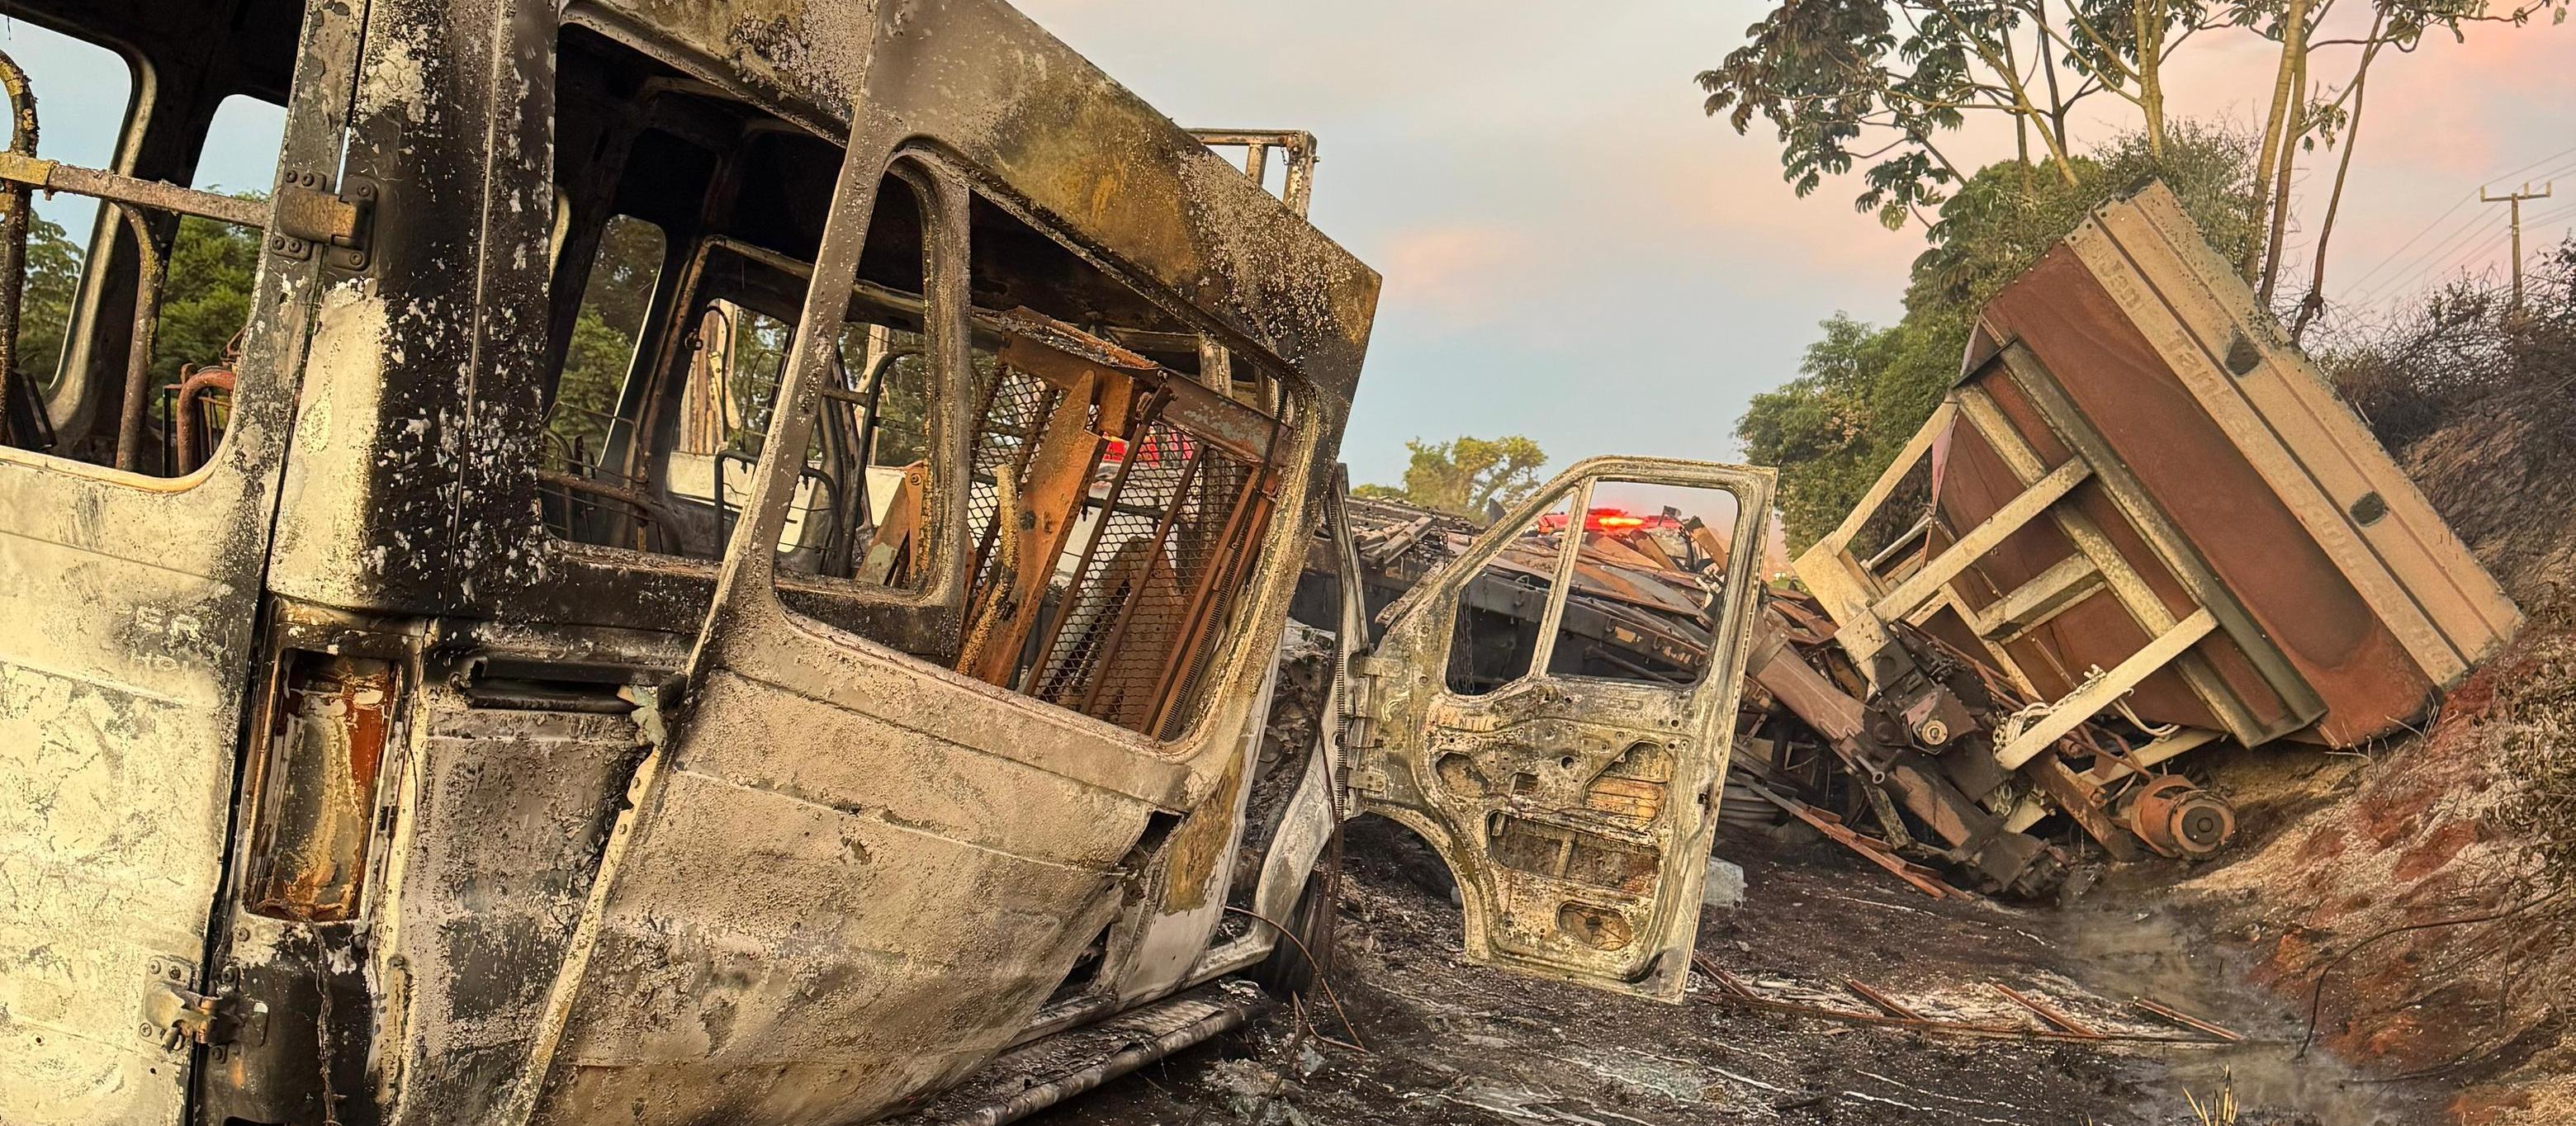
(724, 574)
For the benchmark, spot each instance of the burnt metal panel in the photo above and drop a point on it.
(2084, 314)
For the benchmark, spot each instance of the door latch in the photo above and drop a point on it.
(175, 1015)
(309, 217)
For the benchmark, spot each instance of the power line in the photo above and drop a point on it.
(2476, 251)
(2456, 205)
(2435, 259)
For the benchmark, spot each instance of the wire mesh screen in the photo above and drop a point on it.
(1143, 583)
(1015, 410)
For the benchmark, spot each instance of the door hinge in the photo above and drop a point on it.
(174, 1015)
(309, 216)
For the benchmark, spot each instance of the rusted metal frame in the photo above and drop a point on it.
(1153, 560)
(1834, 828)
(2035, 603)
(2143, 604)
(2037, 497)
(1836, 545)
(24, 172)
(2178, 554)
(1048, 397)
(148, 276)
(2082, 803)
(2049, 1013)
(21, 201)
(1889, 1005)
(1735, 990)
(1244, 524)
(1560, 588)
(1296, 146)
(1204, 610)
(186, 416)
(1139, 425)
(2086, 701)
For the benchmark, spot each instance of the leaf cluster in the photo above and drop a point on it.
(1465, 475)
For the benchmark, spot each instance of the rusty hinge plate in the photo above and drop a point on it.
(175, 1015)
(308, 216)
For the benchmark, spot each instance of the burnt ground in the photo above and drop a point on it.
(1448, 1042)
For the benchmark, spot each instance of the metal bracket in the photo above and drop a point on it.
(175, 1015)
(309, 216)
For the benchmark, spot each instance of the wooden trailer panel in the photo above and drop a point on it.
(2352, 603)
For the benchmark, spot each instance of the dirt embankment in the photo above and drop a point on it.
(2421, 882)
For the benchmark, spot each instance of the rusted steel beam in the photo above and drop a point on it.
(2049, 1013)
(28, 172)
(2186, 1020)
(1044, 508)
(1914, 874)
(1890, 1005)
(21, 203)
(138, 357)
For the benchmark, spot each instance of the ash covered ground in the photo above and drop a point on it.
(1448, 1042)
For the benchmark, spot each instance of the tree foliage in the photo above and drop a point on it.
(605, 331)
(1882, 85)
(1466, 475)
(45, 305)
(1862, 391)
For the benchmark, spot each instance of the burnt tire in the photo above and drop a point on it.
(1289, 970)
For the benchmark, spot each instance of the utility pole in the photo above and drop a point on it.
(2514, 199)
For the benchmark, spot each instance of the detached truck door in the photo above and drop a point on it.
(1573, 789)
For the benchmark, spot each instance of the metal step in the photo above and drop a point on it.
(1042, 1073)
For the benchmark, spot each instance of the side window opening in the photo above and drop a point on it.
(74, 387)
(1500, 612)
(607, 335)
(87, 92)
(1644, 606)
(1116, 505)
(1643, 603)
(666, 384)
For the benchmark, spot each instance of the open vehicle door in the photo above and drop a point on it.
(127, 603)
(1572, 791)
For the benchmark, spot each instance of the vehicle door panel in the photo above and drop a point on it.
(1575, 811)
(127, 611)
(849, 875)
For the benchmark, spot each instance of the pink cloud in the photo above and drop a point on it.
(1464, 275)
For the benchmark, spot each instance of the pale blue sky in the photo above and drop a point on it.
(1571, 250)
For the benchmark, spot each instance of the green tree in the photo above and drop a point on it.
(45, 305)
(1883, 84)
(1466, 475)
(1862, 391)
(205, 300)
(614, 302)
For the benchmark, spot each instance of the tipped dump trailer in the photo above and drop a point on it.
(2140, 522)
